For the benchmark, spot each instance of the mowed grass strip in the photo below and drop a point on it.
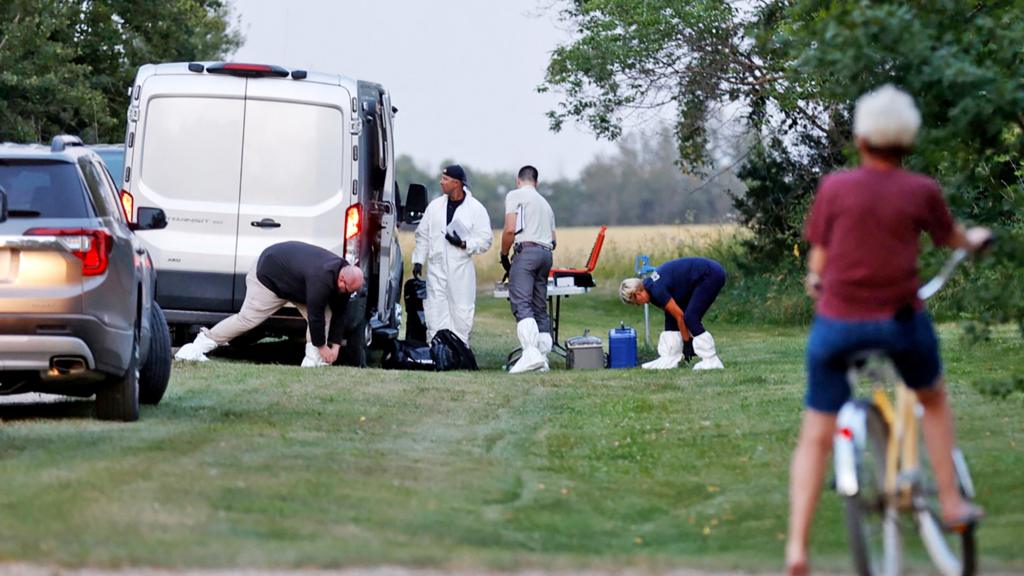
(262, 465)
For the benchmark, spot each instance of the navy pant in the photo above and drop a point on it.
(702, 297)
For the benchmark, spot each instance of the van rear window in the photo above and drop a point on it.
(43, 189)
(192, 148)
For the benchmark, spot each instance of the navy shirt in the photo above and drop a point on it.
(676, 280)
(307, 274)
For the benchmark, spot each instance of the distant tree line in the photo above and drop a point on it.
(640, 183)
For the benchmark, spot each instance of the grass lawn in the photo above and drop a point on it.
(262, 465)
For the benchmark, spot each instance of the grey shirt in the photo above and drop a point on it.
(535, 221)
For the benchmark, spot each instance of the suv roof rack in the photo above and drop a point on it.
(61, 141)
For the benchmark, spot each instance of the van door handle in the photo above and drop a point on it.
(265, 223)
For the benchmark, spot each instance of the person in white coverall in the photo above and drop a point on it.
(454, 228)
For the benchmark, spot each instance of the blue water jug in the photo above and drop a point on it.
(622, 347)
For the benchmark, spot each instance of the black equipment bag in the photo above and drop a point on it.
(405, 355)
(414, 292)
(451, 353)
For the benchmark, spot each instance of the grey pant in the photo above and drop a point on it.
(528, 285)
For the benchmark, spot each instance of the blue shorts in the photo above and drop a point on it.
(911, 343)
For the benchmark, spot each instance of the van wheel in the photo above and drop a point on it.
(156, 372)
(118, 398)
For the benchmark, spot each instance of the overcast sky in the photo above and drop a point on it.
(463, 73)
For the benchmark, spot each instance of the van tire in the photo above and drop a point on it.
(156, 372)
(118, 398)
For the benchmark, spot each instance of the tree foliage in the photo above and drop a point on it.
(66, 65)
(792, 69)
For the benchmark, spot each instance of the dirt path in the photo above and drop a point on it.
(36, 570)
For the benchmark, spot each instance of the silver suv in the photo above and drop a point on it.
(77, 315)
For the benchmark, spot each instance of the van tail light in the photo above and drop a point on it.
(128, 205)
(91, 246)
(353, 221)
(353, 226)
(247, 70)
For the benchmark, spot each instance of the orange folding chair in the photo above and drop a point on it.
(583, 276)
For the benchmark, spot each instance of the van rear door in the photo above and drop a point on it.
(387, 295)
(186, 157)
(296, 164)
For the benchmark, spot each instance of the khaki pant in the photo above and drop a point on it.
(260, 303)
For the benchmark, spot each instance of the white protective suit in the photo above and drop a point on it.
(451, 276)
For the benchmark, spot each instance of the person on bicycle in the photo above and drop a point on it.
(864, 229)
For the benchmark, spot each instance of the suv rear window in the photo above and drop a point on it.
(43, 189)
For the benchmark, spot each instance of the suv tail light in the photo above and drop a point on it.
(91, 246)
(353, 226)
(128, 205)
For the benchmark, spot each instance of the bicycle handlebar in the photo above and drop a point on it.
(935, 284)
(932, 287)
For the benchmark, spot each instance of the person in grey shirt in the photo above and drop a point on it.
(530, 228)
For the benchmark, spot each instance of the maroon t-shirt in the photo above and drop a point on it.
(869, 222)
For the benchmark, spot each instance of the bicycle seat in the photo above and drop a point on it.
(862, 358)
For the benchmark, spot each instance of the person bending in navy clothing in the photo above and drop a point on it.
(684, 289)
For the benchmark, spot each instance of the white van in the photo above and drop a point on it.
(242, 156)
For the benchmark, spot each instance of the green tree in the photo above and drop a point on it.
(66, 65)
(794, 68)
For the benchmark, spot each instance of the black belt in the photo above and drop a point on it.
(521, 245)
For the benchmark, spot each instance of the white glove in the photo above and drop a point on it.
(312, 358)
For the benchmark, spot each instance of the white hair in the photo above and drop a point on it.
(886, 117)
(629, 288)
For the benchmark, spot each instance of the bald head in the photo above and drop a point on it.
(350, 279)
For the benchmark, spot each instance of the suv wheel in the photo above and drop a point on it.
(118, 398)
(156, 372)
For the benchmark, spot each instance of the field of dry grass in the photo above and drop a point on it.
(621, 247)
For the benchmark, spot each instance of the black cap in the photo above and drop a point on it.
(455, 171)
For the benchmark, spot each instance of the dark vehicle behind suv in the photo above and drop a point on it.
(77, 315)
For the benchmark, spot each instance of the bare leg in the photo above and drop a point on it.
(806, 475)
(940, 437)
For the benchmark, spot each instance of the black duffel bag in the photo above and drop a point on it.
(406, 355)
(449, 352)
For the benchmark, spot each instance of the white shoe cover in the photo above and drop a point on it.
(670, 352)
(196, 350)
(312, 359)
(545, 344)
(531, 358)
(704, 347)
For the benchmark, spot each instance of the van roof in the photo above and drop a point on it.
(182, 68)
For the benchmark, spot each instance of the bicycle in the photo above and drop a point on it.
(882, 474)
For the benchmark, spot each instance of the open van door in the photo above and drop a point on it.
(390, 253)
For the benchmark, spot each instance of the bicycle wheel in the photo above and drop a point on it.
(954, 553)
(872, 526)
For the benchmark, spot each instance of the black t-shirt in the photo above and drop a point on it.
(453, 205)
(306, 274)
